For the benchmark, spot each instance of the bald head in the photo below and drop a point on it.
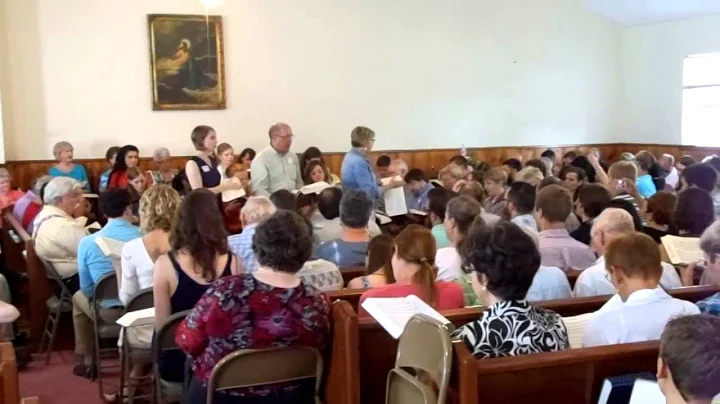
(611, 224)
(281, 137)
(399, 167)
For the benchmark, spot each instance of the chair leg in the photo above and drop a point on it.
(56, 322)
(45, 339)
(124, 374)
(96, 351)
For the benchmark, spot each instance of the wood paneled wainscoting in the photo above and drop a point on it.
(431, 160)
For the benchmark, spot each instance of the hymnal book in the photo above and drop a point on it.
(682, 250)
(646, 392)
(617, 389)
(417, 212)
(137, 318)
(392, 313)
(110, 247)
(91, 196)
(576, 329)
(395, 204)
(314, 188)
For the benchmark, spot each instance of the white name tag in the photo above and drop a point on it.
(289, 160)
(206, 169)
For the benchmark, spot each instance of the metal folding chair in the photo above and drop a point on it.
(164, 341)
(56, 306)
(135, 356)
(105, 289)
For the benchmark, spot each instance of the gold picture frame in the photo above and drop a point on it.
(187, 62)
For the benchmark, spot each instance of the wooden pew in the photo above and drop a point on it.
(351, 273)
(352, 296)
(9, 390)
(378, 349)
(30, 400)
(12, 248)
(572, 377)
(342, 385)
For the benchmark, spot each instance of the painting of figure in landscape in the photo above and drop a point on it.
(186, 60)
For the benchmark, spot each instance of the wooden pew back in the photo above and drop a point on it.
(573, 376)
(342, 385)
(12, 248)
(40, 291)
(9, 389)
(378, 348)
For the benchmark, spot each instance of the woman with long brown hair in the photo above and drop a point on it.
(378, 262)
(198, 256)
(414, 270)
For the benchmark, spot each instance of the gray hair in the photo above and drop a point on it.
(710, 240)
(399, 165)
(59, 187)
(257, 209)
(614, 220)
(5, 174)
(60, 147)
(160, 154)
(355, 209)
(38, 183)
(530, 175)
(669, 157)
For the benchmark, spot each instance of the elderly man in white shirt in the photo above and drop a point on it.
(55, 231)
(641, 308)
(275, 167)
(667, 162)
(610, 225)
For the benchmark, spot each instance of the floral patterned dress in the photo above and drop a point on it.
(240, 312)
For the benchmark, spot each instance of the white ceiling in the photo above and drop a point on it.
(638, 12)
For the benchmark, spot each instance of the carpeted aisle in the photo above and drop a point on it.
(56, 384)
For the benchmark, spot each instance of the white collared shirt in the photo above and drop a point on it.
(672, 178)
(272, 171)
(594, 281)
(549, 283)
(641, 318)
(527, 221)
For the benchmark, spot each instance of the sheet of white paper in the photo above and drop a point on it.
(232, 194)
(94, 226)
(382, 218)
(395, 202)
(394, 313)
(136, 318)
(109, 247)
(682, 250)
(315, 188)
(646, 392)
(417, 212)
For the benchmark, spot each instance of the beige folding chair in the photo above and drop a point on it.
(133, 355)
(404, 388)
(425, 348)
(270, 366)
(164, 341)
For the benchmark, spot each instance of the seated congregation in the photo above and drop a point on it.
(242, 256)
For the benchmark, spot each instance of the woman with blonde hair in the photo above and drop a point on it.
(414, 271)
(63, 152)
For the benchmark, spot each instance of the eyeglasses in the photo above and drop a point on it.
(284, 137)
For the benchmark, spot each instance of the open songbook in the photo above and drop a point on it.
(576, 328)
(382, 218)
(110, 247)
(137, 318)
(392, 313)
(82, 221)
(395, 204)
(314, 188)
(682, 250)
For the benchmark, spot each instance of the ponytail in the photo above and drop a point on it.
(425, 278)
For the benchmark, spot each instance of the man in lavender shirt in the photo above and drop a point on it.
(553, 205)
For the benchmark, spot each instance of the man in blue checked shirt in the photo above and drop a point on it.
(255, 211)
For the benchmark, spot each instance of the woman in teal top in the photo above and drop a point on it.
(65, 167)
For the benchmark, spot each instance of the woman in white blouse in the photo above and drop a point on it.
(157, 209)
(462, 211)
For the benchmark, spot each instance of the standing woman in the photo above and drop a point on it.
(357, 172)
(65, 167)
(127, 157)
(201, 170)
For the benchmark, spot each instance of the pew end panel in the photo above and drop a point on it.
(343, 384)
(40, 291)
(352, 296)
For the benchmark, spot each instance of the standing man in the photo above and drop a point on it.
(275, 168)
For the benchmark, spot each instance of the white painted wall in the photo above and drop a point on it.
(423, 74)
(651, 101)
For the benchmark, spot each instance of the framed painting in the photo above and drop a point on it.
(186, 62)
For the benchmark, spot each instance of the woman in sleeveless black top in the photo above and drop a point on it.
(201, 170)
(198, 243)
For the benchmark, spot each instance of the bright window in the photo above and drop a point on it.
(701, 100)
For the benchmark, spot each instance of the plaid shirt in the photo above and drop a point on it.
(711, 305)
(241, 247)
